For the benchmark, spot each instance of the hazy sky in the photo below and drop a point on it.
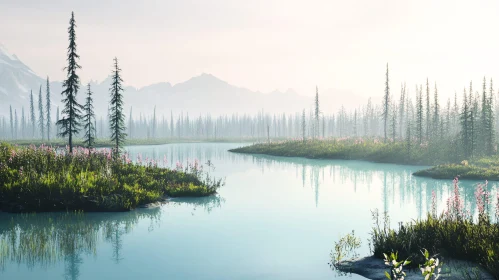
(264, 44)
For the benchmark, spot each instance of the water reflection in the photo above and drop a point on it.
(395, 181)
(46, 239)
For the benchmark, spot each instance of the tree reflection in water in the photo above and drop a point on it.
(48, 238)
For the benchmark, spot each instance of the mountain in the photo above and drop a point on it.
(16, 81)
(203, 94)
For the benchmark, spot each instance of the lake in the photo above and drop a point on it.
(275, 218)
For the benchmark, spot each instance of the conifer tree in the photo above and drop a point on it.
(482, 139)
(401, 109)
(154, 123)
(428, 110)
(41, 119)
(419, 113)
(89, 119)
(394, 121)
(386, 103)
(465, 131)
(130, 123)
(32, 111)
(48, 109)
(473, 109)
(355, 123)
(71, 122)
(56, 120)
(11, 123)
(171, 124)
(23, 124)
(436, 114)
(446, 130)
(117, 118)
(490, 121)
(317, 111)
(303, 126)
(16, 124)
(409, 116)
(455, 113)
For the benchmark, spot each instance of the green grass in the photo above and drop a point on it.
(43, 179)
(457, 239)
(486, 168)
(103, 142)
(353, 149)
(448, 163)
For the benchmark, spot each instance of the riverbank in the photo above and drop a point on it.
(374, 269)
(106, 143)
(456, 236)
(349, 149)
(447, 164)
(43, 180)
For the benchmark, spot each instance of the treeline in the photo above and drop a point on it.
(466, 122)
(416, 114)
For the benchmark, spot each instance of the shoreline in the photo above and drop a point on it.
(486, 168)
(374, 269)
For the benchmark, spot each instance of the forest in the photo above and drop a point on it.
(69, 159)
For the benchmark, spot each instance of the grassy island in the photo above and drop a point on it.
(46, 179)
(486, 168)
(448, 163)
(353, 149)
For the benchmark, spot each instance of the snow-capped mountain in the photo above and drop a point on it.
(16, 80)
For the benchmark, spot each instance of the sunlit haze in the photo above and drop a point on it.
(263, 45)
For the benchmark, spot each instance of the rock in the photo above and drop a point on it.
(374, 268)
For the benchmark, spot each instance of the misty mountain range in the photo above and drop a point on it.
(203, 94)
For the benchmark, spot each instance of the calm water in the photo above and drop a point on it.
(276, 218)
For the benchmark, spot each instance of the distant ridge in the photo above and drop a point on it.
(200, 95)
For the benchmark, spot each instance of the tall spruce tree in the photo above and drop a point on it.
(465, 131)
(455, 114)
(490, 121)
(171, 124)
(32, 114)
(428, 111)
(56, 120)
(386, 103)
(354, 123)
(130, 124)
(11, 123)
(23, 124)
(482, 139)
(419, 113)
(154, 123)
(16, 125)
(48, 110)
(303, 126)
(71, 122)
(436, 114)
(117, 118)
(401, 109)
(89, 119)
(41, 118)
(473, 108)
(394, 122)
(317, 112)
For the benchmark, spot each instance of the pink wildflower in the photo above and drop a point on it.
(433, 204)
